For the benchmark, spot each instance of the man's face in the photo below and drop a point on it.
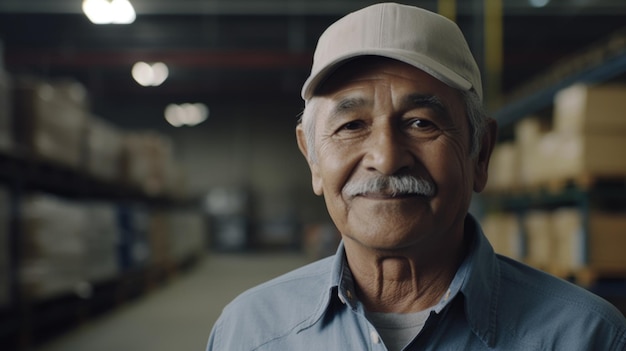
(380, 117)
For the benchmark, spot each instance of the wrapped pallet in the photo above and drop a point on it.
(50, 119)
(53, 255)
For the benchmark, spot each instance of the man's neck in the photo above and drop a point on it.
(399, 282)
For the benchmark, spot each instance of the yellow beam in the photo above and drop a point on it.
(447, 8)
(493, 51)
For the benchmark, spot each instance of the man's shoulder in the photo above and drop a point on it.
(532, 298)
(312, 278)
(275, 308)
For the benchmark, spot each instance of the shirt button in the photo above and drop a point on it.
(375, 338)
(349, 293)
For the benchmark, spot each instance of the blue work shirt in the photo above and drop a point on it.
(493, 303)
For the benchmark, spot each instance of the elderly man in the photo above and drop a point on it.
(397, 141)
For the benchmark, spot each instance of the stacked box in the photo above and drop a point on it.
(569, 235)
(503, 167)
(589, 109)
(53, 255)
(147, 158)
(589, 132)
(601, 249)
(607, 241)
(593, 154)
(103, 149)
(539, 238)
(504, 233)
(6, 118)
(5, 259)
(50, 119)
(528, 134)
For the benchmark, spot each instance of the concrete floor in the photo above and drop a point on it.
(180, 314)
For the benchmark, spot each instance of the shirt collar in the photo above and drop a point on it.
(477, 279)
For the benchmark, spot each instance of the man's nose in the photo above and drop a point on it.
(388, 151)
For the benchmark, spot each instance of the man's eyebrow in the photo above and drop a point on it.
(425, 101)
(348, 104)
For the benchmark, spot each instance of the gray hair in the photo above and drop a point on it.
(476, 116)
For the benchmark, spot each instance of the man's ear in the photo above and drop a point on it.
(481, 163)
(316, 180)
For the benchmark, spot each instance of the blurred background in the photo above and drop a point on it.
(149, 170)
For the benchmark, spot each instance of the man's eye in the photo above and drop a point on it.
(422, 124)
(354, 125)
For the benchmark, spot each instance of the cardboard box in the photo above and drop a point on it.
(539, 238)
(596, 155)
(601, 248)
(607, 240)
(528, 134)
(504, 233)
(529, 130)
(570, 239)
(504, 167)
(592, 109)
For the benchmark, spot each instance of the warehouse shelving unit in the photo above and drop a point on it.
(599, 64)
(605, 62)
(27, 321)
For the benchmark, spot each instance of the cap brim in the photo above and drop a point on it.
(422, 62)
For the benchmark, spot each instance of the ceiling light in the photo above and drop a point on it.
(150, 74)
(109, 11)
(186, 114)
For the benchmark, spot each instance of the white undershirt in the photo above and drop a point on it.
(397, 330)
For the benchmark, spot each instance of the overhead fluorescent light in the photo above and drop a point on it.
(109, 11)
(186, 114)
(150, 74)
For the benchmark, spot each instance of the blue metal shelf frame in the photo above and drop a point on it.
(608, 69)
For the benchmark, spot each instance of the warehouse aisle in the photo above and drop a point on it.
(180, 314)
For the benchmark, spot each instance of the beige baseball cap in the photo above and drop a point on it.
(409, 34)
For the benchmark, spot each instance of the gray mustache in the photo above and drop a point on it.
(393, 185)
